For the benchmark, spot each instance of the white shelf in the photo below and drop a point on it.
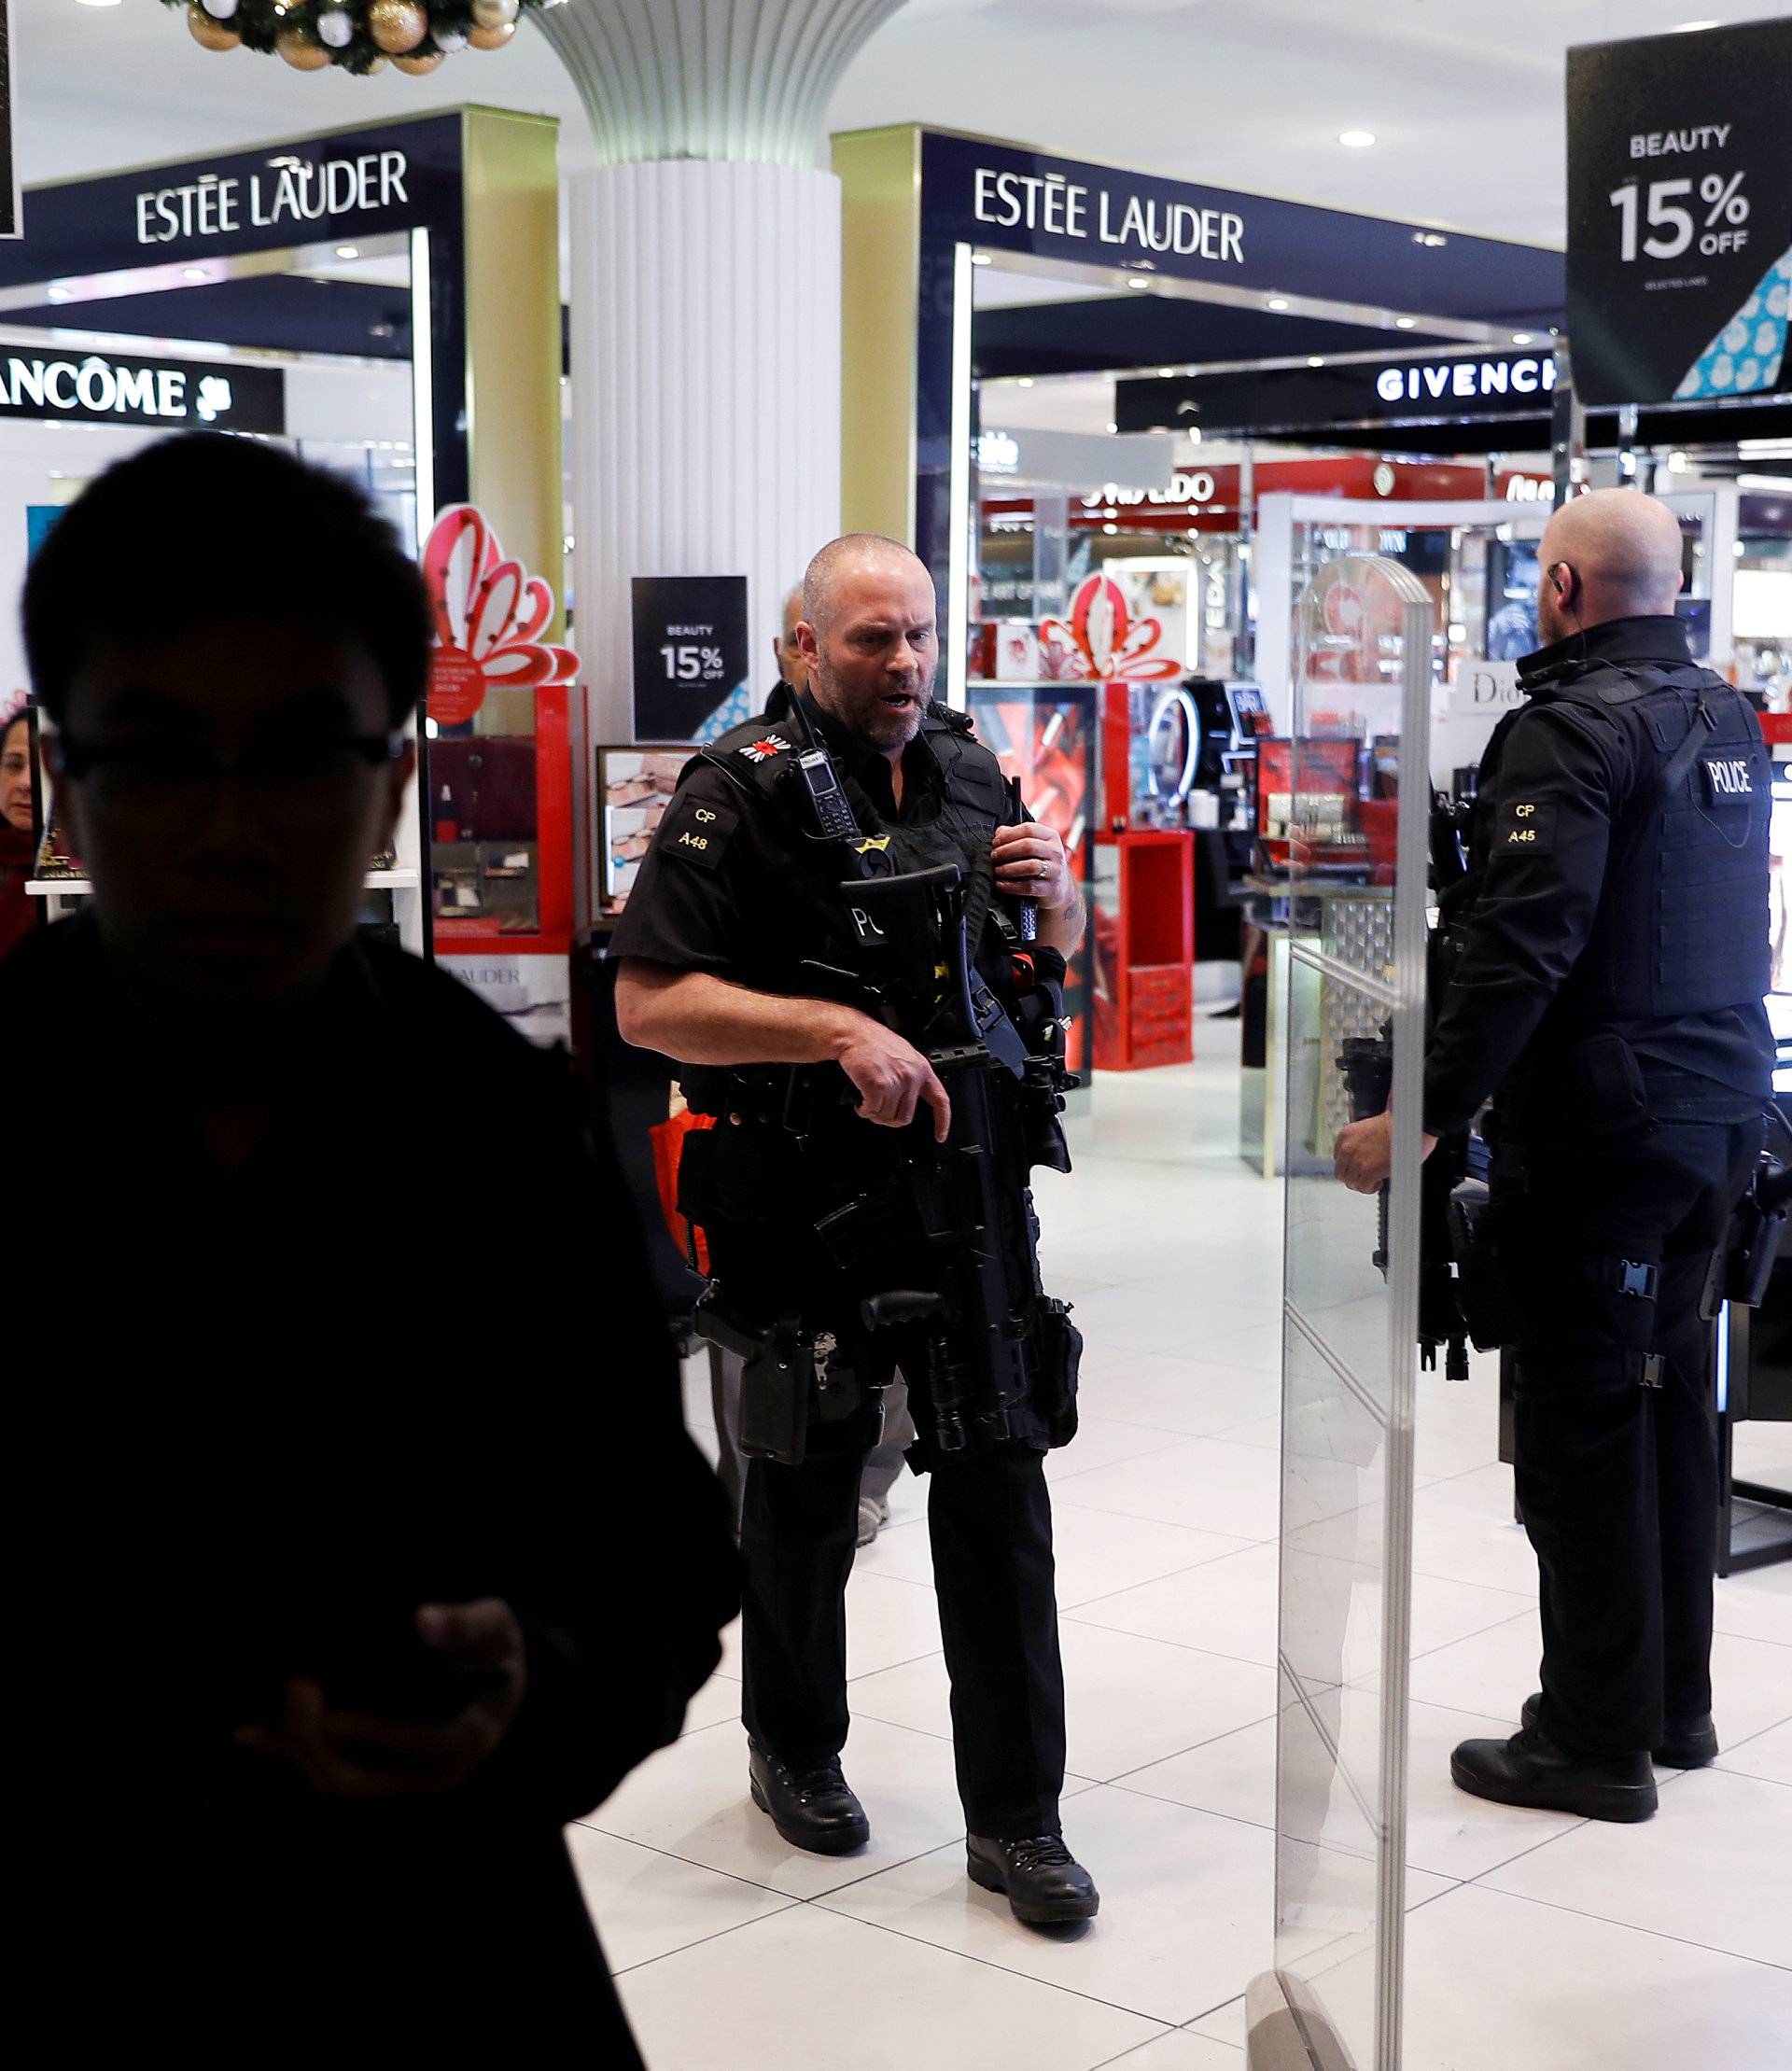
(78, 888)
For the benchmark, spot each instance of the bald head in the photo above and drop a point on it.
(1612, 554)
(869, 638)
(847, 564)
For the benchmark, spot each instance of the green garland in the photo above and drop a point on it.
(259, 23)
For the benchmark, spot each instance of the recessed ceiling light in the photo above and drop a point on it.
(1356, 140)
(59, 294)
(1406, 323)
(1679, 28)
(979, 259)
(1314, 360)
(348, 251)
(1166, 373)
(1110, 528)
(192, 273)
(1277, 302)
(1137, 280)
(1520, 337)
(1026, 381)
(1113, 428)
(99, 3)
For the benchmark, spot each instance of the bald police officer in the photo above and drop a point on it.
(732, 934)
(1609, 994)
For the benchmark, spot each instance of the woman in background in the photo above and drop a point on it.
(17, 830)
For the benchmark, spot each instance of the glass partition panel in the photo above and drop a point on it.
(1361, 668)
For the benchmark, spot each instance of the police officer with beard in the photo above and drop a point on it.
(731, 946)
(1608, 994)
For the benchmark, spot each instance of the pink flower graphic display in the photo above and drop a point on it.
(1102, 639)
(490, 614)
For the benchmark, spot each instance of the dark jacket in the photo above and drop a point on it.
(406, 1353)
(1618, 893)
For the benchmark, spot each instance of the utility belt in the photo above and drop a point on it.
(1495, 1245)
(798, 1374)
(1493, 1241)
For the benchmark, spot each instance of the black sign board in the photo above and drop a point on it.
(690, 651)
(1003, 198)
(1680, 215)
(1414, 390)
(10, 224)
(163, 395)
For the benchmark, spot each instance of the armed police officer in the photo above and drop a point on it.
(851, 933)
(1608, 993)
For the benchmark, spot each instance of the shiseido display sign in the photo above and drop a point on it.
(1416, 389)
(10, 224)
(690, 656)
(173, 395)
(1680, 215)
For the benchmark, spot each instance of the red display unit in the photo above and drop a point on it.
(1144, 950)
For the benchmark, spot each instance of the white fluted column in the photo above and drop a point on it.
(706, 308)
(706, 392)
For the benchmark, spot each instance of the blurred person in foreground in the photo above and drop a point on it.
(1608, 996)
(372, 1562)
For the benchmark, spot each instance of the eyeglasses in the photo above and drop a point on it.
(294, 781)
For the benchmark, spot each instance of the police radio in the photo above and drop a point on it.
(832, 807)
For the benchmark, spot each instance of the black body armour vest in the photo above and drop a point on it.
(1682, 923)
(815, 920)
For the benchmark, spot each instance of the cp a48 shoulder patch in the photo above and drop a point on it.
(697, 831)
(1525, 827)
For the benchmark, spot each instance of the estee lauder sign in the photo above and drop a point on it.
(292, 191)
(1105, 214)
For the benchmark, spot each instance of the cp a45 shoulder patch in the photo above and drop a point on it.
(698, 831)
(1525, 827)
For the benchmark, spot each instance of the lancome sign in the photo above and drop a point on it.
(103, 390)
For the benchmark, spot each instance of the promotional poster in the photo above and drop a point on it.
(690, 656)
(1680, 215)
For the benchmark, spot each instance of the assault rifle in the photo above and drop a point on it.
(956, 1249)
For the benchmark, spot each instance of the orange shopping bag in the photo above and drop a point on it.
(668, 1148)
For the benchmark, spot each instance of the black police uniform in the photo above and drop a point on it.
(1610, 987)
(735, 887)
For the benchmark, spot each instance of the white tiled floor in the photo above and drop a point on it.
(1535, 1943)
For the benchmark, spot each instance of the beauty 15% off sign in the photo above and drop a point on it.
(1674, 226)
(1680, 215)
(691, 661)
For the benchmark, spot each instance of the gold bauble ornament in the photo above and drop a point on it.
(210, 34)
(494, 14)
(397, 25)
(491, 39)
(418, 66)
(301, 52)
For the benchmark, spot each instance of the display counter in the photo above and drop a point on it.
(1292, 1103)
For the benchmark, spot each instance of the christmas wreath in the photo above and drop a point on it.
(358, 34)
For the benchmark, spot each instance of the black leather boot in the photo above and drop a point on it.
(1693, 1748)
(1046, 1885)
(1531, 1769)
(812, 1808)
